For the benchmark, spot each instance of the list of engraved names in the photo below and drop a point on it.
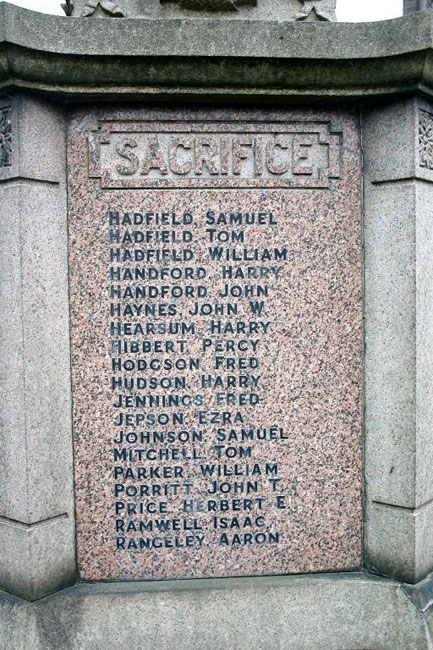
(159, 388)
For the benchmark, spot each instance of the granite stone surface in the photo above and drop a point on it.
(255, 467)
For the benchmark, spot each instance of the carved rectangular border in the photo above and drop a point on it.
(322, 131)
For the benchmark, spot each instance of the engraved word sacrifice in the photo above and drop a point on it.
(166, 155)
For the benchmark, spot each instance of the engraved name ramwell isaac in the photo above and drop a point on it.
(216, 327)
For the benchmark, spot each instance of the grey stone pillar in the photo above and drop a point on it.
(399, 338)
(36, 502)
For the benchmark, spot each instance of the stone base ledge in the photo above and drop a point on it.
(354, 611)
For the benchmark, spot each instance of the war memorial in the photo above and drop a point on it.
(216, 327)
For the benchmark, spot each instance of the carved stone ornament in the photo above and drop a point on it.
(312, 10)
(91, 7)
(426, 140)
(5, 137)
(282, 10)
(213, 5)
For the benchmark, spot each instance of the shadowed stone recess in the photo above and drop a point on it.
(417, 5)
(212, 5)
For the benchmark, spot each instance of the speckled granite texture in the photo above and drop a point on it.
(288, 503)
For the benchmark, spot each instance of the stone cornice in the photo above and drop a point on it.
(82, 59)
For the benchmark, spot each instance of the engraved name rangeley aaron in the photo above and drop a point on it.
(250, 156)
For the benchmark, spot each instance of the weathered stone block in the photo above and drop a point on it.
(196, 55)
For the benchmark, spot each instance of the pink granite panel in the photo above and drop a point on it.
(215, 434)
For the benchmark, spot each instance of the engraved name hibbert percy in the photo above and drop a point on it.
(150, 155)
